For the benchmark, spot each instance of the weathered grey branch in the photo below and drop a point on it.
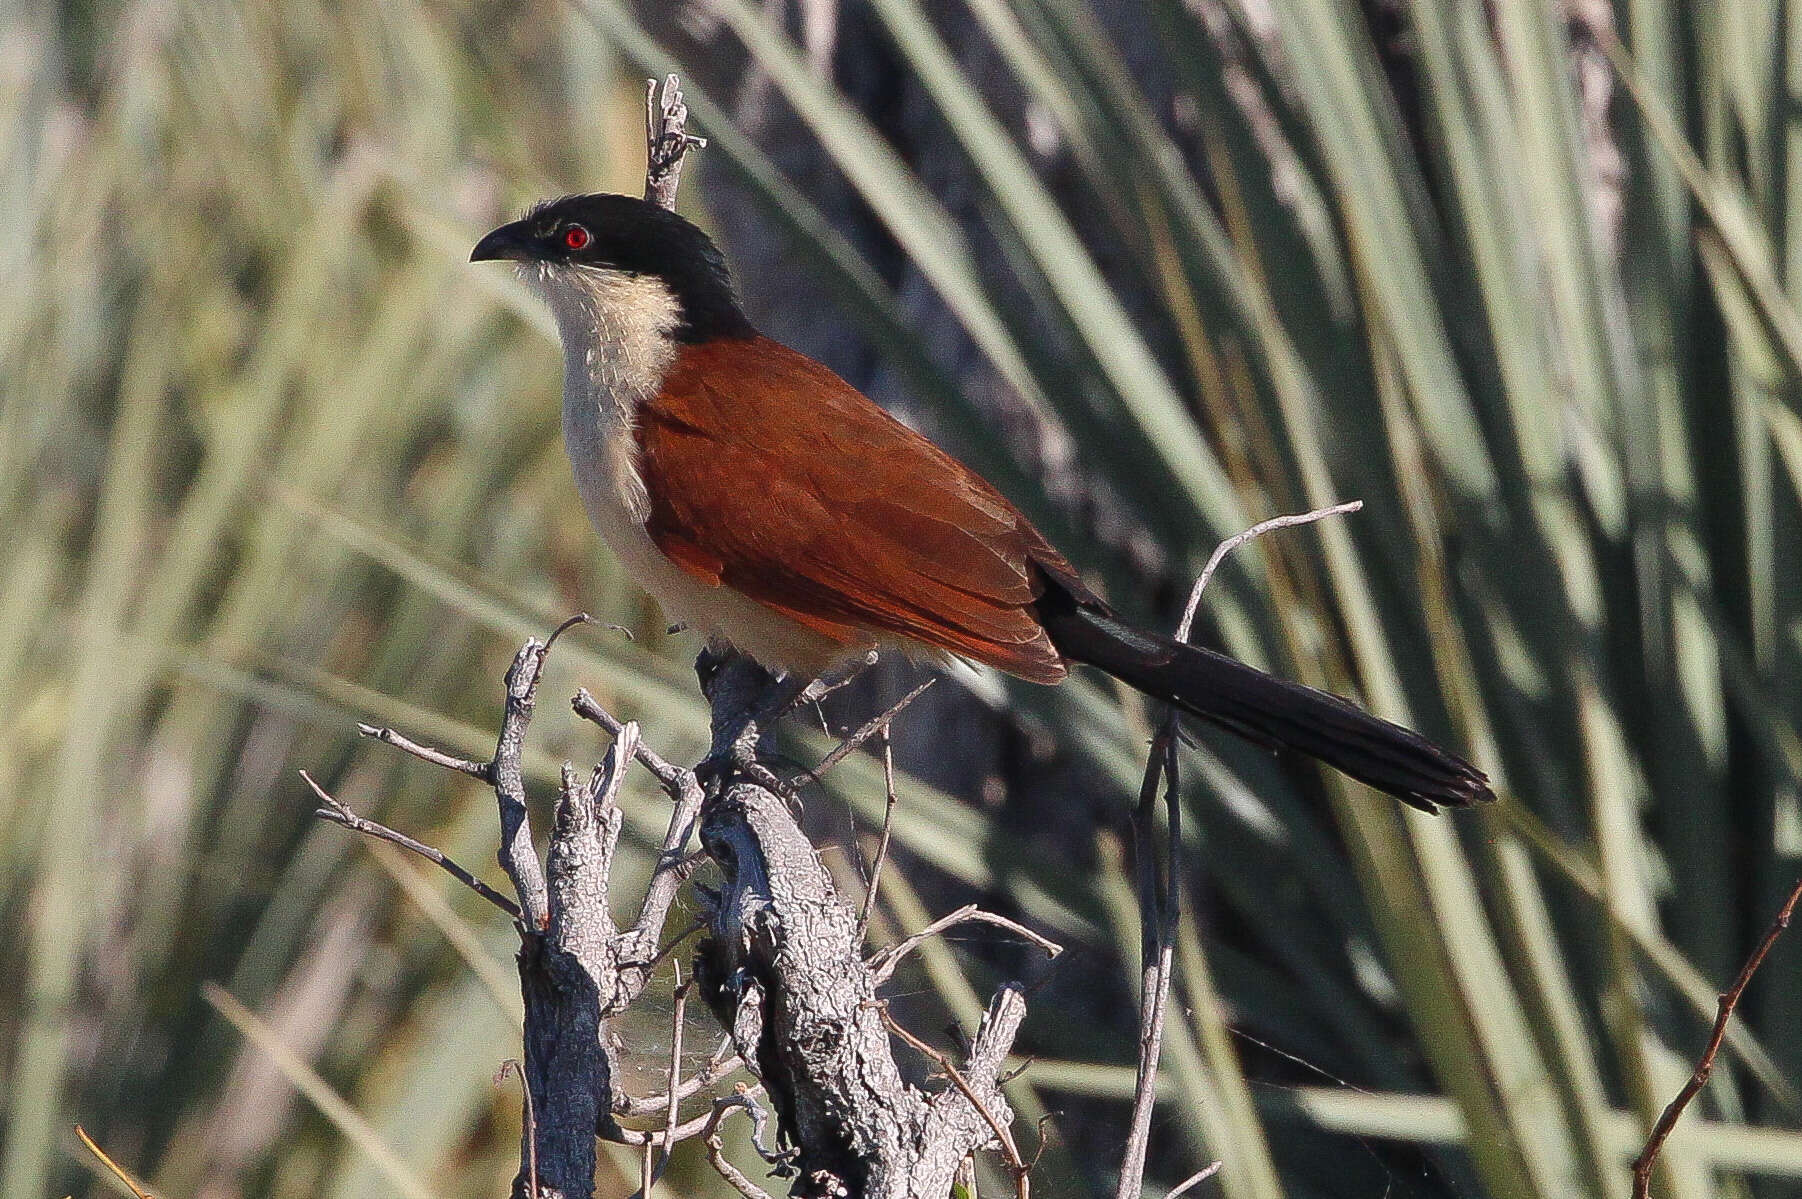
(783, 969)
(666, 132)
(882, 963)
(336, 811)
(507, 774)
(577, 970)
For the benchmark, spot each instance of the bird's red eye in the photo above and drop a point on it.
(575, 237)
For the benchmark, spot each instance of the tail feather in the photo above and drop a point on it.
(1268, 710)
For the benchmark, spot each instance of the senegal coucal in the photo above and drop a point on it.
(763, 500)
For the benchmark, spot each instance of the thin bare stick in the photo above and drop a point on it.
(691, 863)
(675, 1071)
(888, 827)
(1160, 913)
(1234, 542)
(114, 1168)
(515, 1066)
(655, 1138)
(674, 779)
(1015, 1163)
(1160, 900)
(715, 1150)
(716, 1068)
(425, 753)
(336, 812)
(855, 741)
(1729, 1001)
(1194, 1180)
(882, 964)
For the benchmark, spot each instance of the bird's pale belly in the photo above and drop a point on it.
(603, 456)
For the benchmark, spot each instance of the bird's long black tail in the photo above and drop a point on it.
(1267, 710)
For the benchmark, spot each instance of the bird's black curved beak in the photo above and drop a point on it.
(508, 242)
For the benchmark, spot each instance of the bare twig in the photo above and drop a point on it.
(1238, 539)
(674, 778)
(338, 813)
(114, 1168)
(425, 753)
(855, 741)
(1194, 1180)
(723, 1107)
(516, 1067)
(1003, 1135)
(1160, 900)
(888, 826)
(717, 1067)
(1729, 1001)
(1160, 914)
(675, 1071)
(882, 963)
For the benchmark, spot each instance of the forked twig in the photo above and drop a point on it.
(673, 778)
(710, 1135)
(337, 812)
(1729, 1002)
(850, 745)
(1160, 900)
(882, 963)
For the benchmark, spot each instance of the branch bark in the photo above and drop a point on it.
(783, 969)
(577, 969)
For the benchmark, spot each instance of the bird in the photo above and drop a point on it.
(766, 502)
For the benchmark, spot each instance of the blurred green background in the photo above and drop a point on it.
(277, 459)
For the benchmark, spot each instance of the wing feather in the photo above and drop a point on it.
(848, 521)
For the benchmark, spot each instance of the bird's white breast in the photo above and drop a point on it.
(618, 346)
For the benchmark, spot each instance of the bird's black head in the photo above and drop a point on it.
(633, 236)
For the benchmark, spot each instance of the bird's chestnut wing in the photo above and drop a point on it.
(769, 474)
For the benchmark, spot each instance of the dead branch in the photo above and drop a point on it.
(1729, 1002)
(577, 970)
(336, 812)
(783, 970)
(883, 962)
(1160, 898)
(668, 140)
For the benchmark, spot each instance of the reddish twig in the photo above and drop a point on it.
(1729, 1001)
(1016, 1164)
